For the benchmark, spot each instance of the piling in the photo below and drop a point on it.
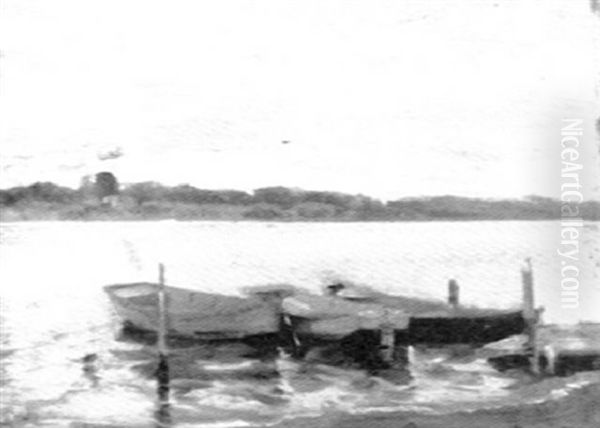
(162, 372)
(402, 348)
(289, 335)
(393, 337)
(453, 293)
(387, 339)
(530, 315)
(388, 344)
(550, 354)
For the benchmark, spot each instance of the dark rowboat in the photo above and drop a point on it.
(348, 310)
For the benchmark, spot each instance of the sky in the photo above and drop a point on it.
(386, 98)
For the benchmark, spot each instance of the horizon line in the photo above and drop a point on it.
(299, 190)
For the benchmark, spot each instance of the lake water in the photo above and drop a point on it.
(53, 312)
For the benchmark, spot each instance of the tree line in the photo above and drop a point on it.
(154, 200)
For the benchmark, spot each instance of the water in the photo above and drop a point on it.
(54, 313)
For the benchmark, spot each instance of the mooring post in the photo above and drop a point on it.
(289, 334)
(402, 347)
(394, 337)
(530, 315)
(550, 354)
(162, 372)
(388, 339)
(387, 344)
(453, 293)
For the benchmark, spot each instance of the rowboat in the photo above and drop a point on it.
(346, 310)
(340, 313)
(197, 314)
(333, 318)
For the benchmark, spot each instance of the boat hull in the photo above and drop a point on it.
(334, 318)
(413, 320)
(196, 314)
(474, 329)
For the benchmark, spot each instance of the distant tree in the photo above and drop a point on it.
(87, 188)
(49, 192)
(368, 208)
(264, 212)
(183, 193)
(234, 197)
(86, 182)
(38, 192)
(7, 197)
(590, 210)
(341, 201)
(281, 196)
(107, 187)
(191, 195)
(316, 210)
(145, 192)
(540, 199)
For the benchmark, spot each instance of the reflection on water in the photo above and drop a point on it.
(235, 382)
(63, 361)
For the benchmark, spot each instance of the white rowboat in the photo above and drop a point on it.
(198, 314)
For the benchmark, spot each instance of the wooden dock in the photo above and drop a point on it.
(561, 350)
(544, 349)
(567, 349)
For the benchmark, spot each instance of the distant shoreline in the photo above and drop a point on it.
(208, 220)
(54, 217)
(153, 202)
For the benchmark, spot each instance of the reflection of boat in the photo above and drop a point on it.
(198, 314)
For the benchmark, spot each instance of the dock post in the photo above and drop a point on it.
(289, 335)
(162, 372)
(550, 354)
(388, 344)
(394, 338)
(530, 315)
(402, 349)
(387, 340)
(453, 293)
